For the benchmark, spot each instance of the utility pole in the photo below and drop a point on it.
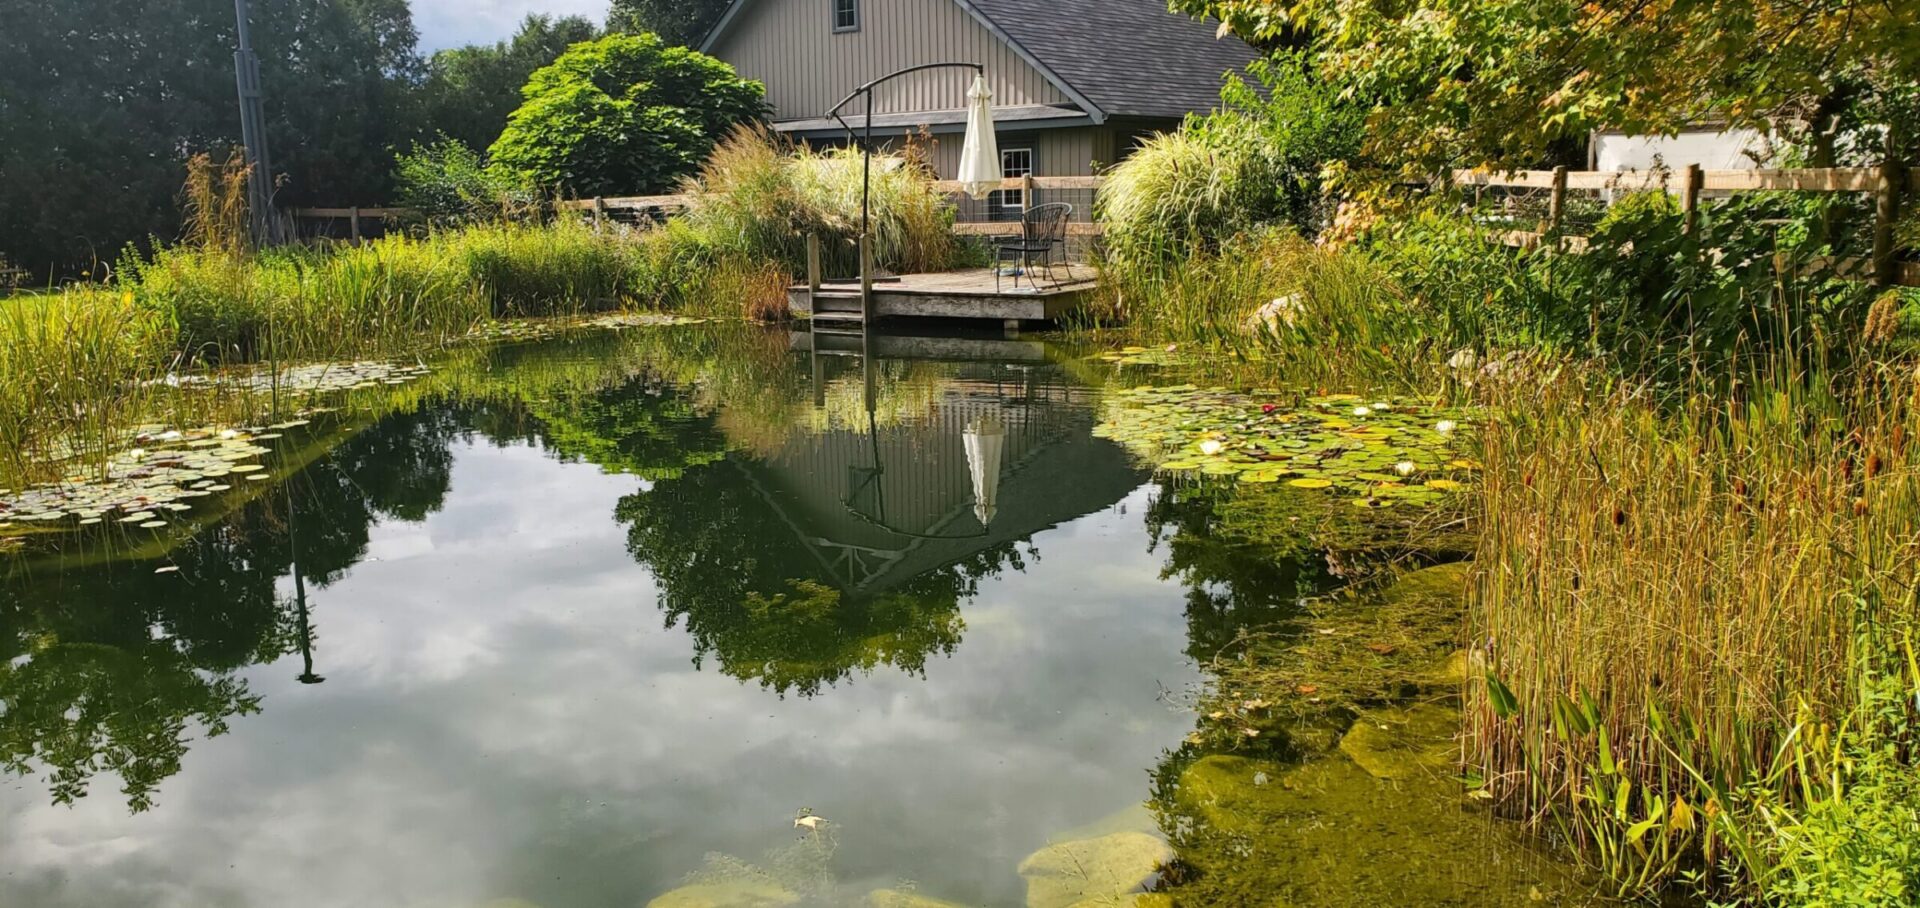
(253, 131)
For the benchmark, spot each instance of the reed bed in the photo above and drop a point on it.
(1674, 594)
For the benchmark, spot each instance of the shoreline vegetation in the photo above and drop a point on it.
(1687, 638)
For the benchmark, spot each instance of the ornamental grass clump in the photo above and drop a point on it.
(758, 198)
(1671, 590)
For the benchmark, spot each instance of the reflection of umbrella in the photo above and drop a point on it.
(986, 439)
(980, 156)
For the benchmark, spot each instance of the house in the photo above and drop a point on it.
(1077, 83)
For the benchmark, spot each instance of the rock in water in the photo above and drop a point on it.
(900, 898)
(732, 894)
(1104, 872)
(1398, 744)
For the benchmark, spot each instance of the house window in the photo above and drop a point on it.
(1014, 164)
(846, 15)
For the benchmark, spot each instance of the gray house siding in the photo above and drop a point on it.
(790, 45)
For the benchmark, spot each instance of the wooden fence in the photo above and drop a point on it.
(1889, 184)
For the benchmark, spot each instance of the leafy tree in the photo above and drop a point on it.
(678, 22)
(102, 102)
(470, 91)
(625, 113)
(1506, 81)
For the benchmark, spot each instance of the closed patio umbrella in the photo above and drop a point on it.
(980, 157)
(986, 442)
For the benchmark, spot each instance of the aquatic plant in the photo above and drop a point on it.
(1378, 453)
(1668, 589)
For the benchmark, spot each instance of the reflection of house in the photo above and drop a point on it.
(880, 507)
(1076, 82)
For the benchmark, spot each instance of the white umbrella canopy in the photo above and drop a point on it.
(980, 157)
(986, 442)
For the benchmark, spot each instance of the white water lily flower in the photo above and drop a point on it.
(137, 454)
(1363, 411)
(1463, 360)
(1446, 427)
(1404, 468)
(1382, 407)
(175, 435)
(229, 435)
(1211, 447)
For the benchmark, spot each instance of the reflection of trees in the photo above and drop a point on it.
(106, 669)
(756, 599)
(642, 427)
(1235, 579)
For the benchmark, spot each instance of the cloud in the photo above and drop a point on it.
(452, 23)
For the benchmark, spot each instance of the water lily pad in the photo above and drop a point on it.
(1310, 483)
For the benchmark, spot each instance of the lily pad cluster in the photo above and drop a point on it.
(1170, 355)
(313, 377)
(144, 487)
(1382, 453)
(527, 329)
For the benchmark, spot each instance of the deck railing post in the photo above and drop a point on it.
(1886, 213)
(814, 279)
(599, 214)
(353, 222)
(866, 280)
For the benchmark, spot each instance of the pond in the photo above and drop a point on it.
(690, 616)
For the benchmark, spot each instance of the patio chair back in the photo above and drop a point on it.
(1044, 225)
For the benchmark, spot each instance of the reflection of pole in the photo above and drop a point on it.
(300, 590)
(253, 128)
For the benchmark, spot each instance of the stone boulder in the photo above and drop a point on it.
(730, 894)
(1103, 872)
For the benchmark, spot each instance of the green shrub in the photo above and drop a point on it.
(1257, 161)
(625, 114)
(450, 184)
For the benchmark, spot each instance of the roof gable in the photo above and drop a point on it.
(1128, 58)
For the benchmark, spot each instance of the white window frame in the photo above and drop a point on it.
(852, 8)
(1013, 199)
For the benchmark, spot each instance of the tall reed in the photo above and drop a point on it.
(1667, 588)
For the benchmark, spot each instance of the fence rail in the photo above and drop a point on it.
(1890, 184)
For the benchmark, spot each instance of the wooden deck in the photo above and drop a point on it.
(960, 294)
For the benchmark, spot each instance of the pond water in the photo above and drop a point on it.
(678, 616)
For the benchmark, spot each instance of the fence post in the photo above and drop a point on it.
(1886, 213)
(1026, 191)
(353, 222)
(1690, 199)
(1557, 204)
(599, 214)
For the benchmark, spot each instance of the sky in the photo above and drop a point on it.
(452, 23)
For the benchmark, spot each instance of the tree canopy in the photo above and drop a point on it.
(623, 114)
(1501, 81)
(681, 22)
(470, 91)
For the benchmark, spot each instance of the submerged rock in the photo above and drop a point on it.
(1399, 744)
(730, 894)
(900, 898)
(1105, 871)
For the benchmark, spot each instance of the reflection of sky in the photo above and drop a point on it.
(506, 717)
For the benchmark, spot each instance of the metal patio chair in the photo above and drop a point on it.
(1042, 230)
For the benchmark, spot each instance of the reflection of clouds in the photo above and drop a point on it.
(506, 717)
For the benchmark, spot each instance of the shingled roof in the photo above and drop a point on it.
(1131, 58)
(1123, 58)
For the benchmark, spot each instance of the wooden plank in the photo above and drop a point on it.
(332, 213)
(1815, 179)
(1012, 228)
(954, 187)
(632, 202)
(1523, 179)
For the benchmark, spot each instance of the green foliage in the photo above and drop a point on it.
(102, 101)
(449, 183)
(470, 91)
(679, 22)
(757, 198)
(1256, 162)
(1509, 81)
(625, 114)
